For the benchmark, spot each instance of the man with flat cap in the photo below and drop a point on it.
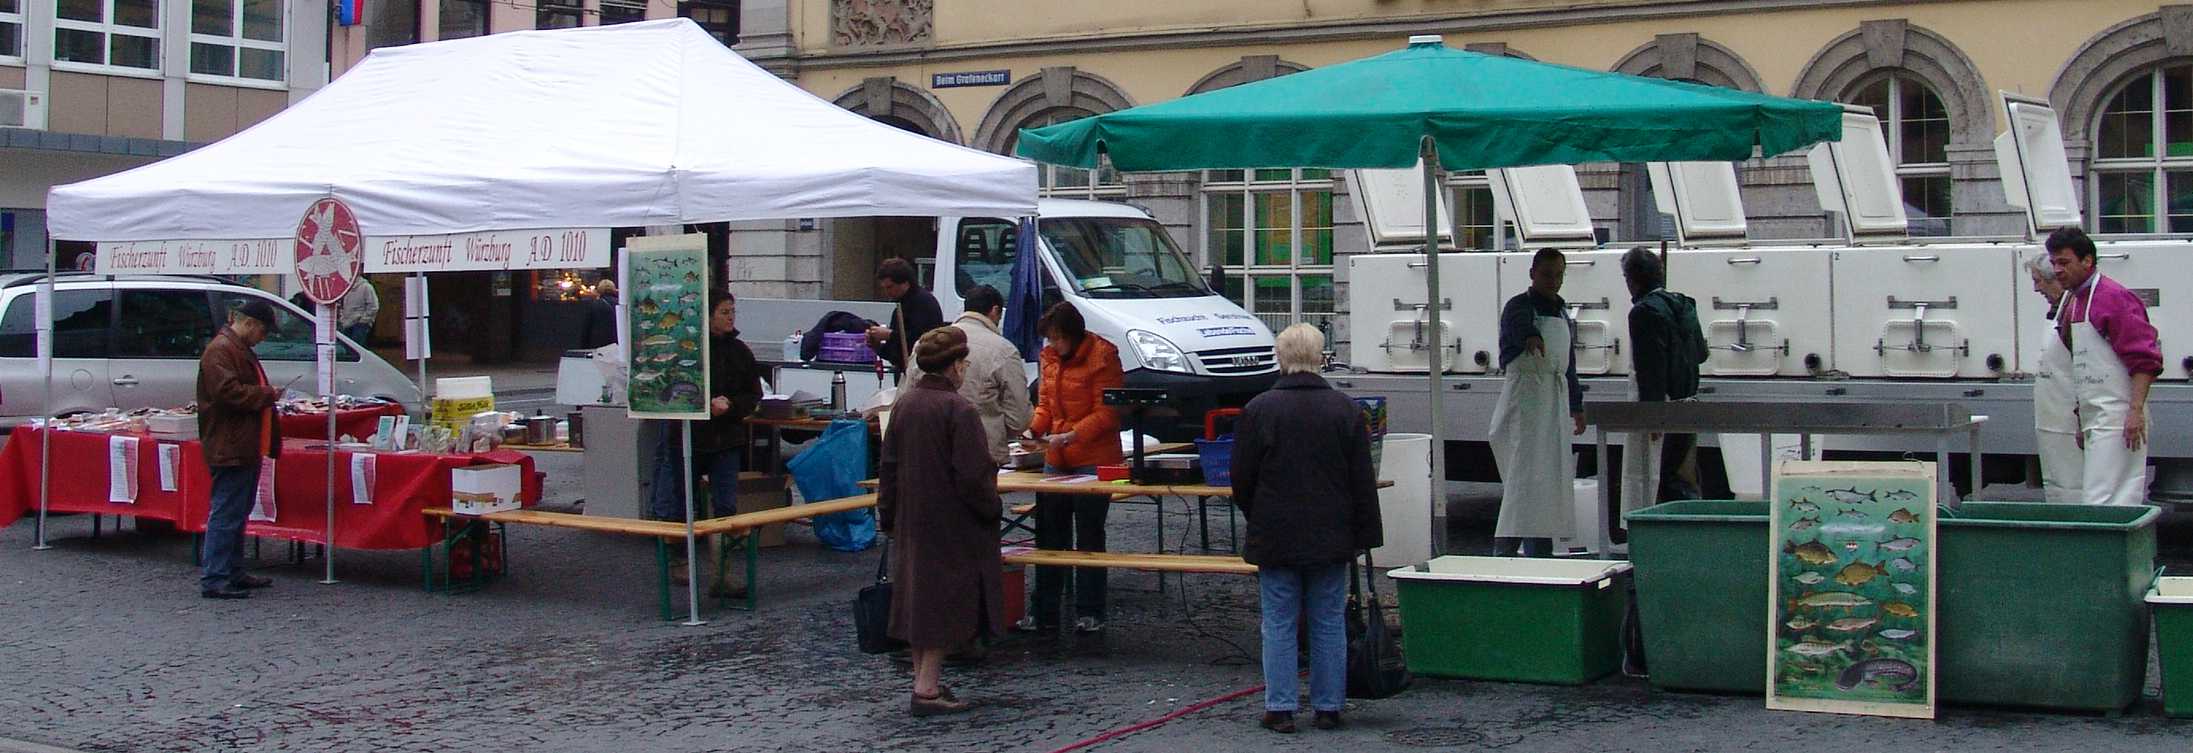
(237, 429)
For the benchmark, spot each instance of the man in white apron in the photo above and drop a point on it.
(1667, 348)
(1541, 407)
(2115, 357)
(2055, 403)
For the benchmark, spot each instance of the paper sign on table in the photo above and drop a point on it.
(122, 470)
(361, 478)
(171, 461)
(262, 500)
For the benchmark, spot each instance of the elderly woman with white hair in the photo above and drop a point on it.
(1302, 475)
(2055, 403)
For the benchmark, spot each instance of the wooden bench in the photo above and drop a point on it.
(743, 526)
(1164, 563)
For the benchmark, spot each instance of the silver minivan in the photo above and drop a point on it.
(134, 342)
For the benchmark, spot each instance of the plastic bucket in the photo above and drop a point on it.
(2171, 600)
(1509, 618)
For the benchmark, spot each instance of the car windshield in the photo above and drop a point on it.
(1121, 257)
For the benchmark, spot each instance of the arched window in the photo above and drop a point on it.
(2142, 180)
(1061, 182)
(1273, 229)
(1918, 131)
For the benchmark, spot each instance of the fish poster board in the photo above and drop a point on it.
(666, 340)
(1851, 589)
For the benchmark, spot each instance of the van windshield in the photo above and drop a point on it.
(1121, 257)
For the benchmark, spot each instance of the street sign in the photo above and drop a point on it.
(330, 250)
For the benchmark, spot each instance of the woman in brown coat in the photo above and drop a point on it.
(938, 497)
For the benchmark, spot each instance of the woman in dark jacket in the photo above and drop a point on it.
(937, 493)
(1302, 475)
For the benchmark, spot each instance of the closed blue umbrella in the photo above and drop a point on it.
(1024, 303)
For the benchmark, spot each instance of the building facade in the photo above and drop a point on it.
(974, 72)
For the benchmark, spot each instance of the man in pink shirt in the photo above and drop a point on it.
(2115, 357)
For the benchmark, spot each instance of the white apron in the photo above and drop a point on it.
(2114, 475)
(1530, 441)
(2056, 422)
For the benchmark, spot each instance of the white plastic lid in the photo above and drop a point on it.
(2172, 590)
(1514, 570)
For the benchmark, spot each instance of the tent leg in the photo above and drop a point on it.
(1437, 342)
(45, 364)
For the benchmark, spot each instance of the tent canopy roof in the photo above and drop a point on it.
(651, 123)
(1483, 111)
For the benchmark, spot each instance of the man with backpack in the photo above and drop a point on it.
(1668, 348)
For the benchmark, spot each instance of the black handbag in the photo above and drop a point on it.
(872, 610)
(1375, 666)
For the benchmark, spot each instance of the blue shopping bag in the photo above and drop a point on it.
(831, 468)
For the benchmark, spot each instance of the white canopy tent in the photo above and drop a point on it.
(450, 151)
(652, 123)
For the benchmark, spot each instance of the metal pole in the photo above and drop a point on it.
(1606, 494)
(1766, 467)
(1429, 152)
(423, 318)
(692, 558)
(327, 392)
(45, 358)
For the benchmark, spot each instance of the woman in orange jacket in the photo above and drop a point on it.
(1082, 433)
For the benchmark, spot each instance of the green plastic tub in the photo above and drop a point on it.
(2040, 603)
(1505, 618)
(2171, 599)
(1702, 594)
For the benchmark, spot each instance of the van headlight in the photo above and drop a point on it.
(1158, 353)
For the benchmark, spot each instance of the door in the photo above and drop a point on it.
(82, 317)
(158, 336)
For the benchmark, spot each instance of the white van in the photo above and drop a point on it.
(1135, 288)
(133, 342)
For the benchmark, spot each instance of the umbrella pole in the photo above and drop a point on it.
(1433, 312)
(45, 363)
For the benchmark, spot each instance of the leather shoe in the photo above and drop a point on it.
(937, 705)
(251, 581)
(1326, 720)
(727, 589)
(230, 592)
(1281, 722)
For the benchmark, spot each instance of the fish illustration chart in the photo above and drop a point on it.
(1852, 584)
(667, 351)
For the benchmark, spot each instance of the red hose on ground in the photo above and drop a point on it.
(1140, 726)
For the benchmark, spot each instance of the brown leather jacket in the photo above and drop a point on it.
(236, 421)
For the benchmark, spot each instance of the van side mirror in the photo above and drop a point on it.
(1218, 277)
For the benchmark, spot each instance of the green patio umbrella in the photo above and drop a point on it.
(1452, 109)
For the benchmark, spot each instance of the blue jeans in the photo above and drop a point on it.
(234, 488)
(667, 500)
(1320, 594)
(358, 333)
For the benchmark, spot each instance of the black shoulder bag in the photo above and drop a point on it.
(872, 609)
(1375, 666)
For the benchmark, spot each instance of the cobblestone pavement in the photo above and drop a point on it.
(106, 648)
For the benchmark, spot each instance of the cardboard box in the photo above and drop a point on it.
(758, 493)
(482, 489)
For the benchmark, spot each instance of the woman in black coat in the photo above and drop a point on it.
(1302, 475)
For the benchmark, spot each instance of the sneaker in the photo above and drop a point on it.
(1088, 625)
(1281, 722)
(250, 581)
(1326, 720)
(1028, 624)
(231, 592)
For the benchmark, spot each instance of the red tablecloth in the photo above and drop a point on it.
(404, 483)
(358, 422)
